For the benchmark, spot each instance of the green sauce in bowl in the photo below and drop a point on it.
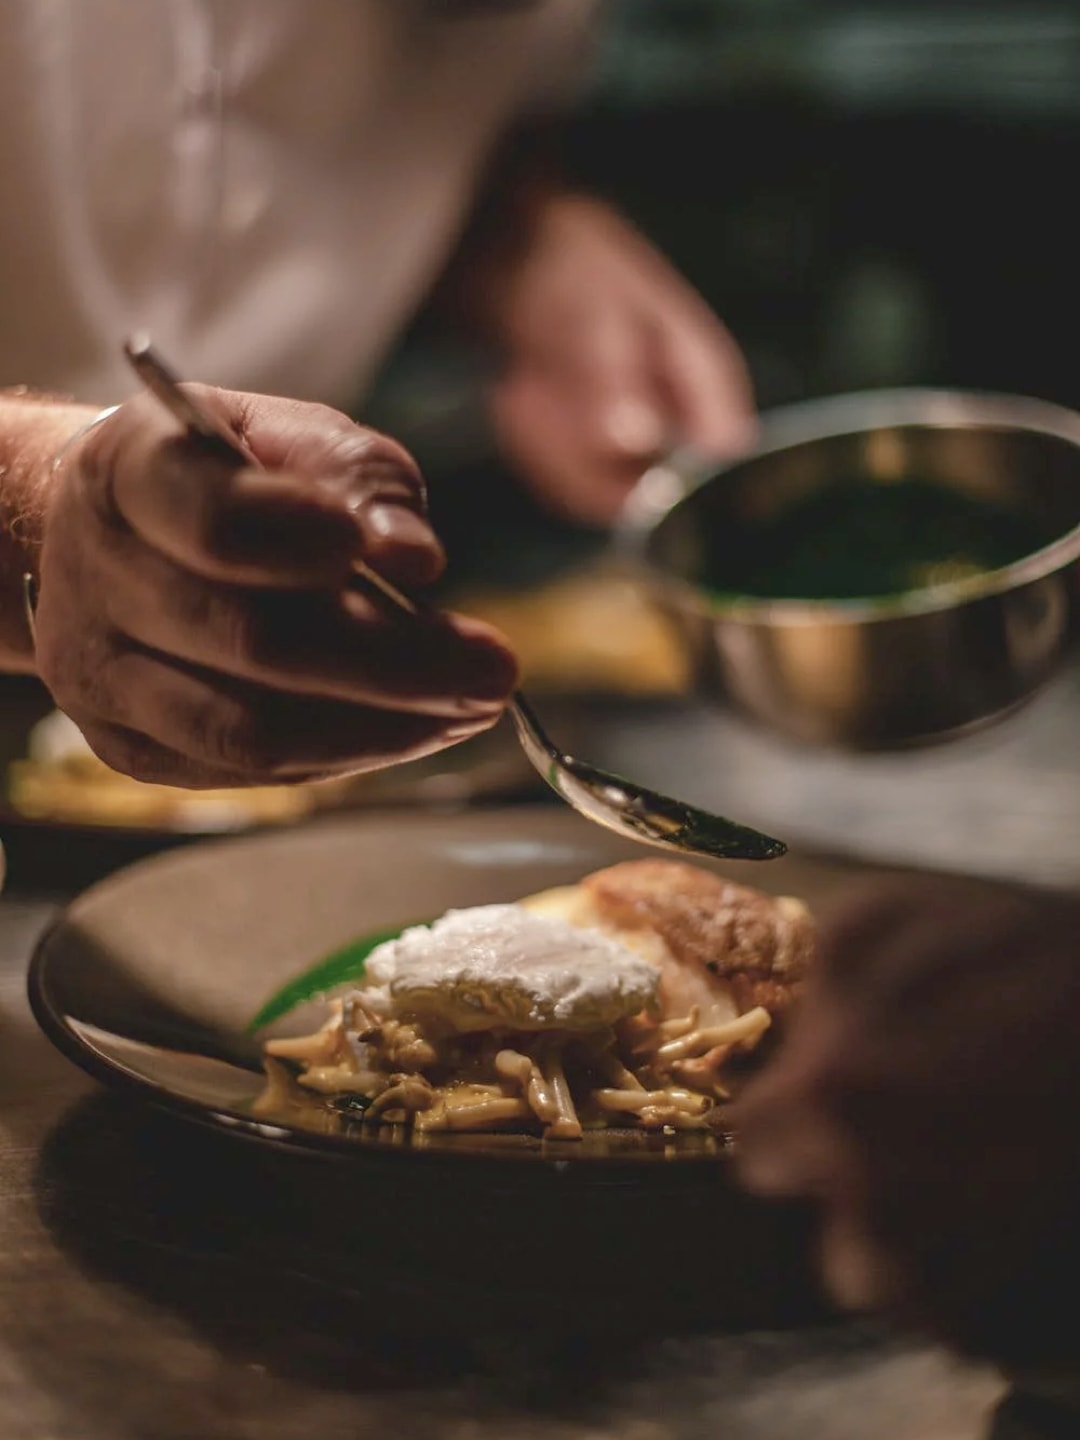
(860, 539)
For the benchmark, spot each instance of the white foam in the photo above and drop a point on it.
(497, 965)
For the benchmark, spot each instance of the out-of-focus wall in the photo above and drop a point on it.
(1017, 57)
(872, 193)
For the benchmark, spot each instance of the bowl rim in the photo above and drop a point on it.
(669, 485)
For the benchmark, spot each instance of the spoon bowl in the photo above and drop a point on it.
(632, 811)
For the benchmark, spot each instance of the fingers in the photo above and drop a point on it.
(789, 1143)
(702, 375)
(926, 1097)
(201, 621)
(621, 413)
(347, 494)
(675, 377)
(162, 721)
(540, 433)
(581, 419)
(627, 390)
(584, 431)
(376, 478)
(338, 645)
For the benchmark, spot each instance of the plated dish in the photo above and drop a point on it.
(151, 991)
(626, 1000)
(151, 979)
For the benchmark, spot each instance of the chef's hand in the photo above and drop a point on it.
(194, 618)
(928, 1098)
(611, 358)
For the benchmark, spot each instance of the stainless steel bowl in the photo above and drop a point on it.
(876, 673)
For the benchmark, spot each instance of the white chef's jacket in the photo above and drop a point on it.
(267, 186)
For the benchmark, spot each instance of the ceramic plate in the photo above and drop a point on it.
(150, 979)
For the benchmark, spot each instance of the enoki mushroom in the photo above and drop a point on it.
(646, 1073)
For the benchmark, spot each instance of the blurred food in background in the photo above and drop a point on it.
(61, 779)
(586, 632)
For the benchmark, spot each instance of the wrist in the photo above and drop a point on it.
(34, 429)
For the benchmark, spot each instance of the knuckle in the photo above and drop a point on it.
(233, 408)
(378, 467)
(234, 737)
(328, 420)
(305, 420)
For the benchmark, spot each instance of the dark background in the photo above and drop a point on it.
(869, 194)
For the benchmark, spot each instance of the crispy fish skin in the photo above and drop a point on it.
(761, 945)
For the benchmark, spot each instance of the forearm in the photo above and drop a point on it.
(33, 429)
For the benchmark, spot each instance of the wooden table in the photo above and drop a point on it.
(136, 1304)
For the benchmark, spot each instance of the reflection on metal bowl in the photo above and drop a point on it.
(882, 672)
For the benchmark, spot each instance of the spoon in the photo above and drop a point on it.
(620, 805)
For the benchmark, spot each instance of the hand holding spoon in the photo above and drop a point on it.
(620, 805)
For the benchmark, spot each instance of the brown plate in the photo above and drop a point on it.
(149, 980)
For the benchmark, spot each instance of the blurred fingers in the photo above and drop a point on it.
(166, 722)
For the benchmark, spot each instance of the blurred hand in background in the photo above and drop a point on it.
(611, 358)
(927, 1097)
